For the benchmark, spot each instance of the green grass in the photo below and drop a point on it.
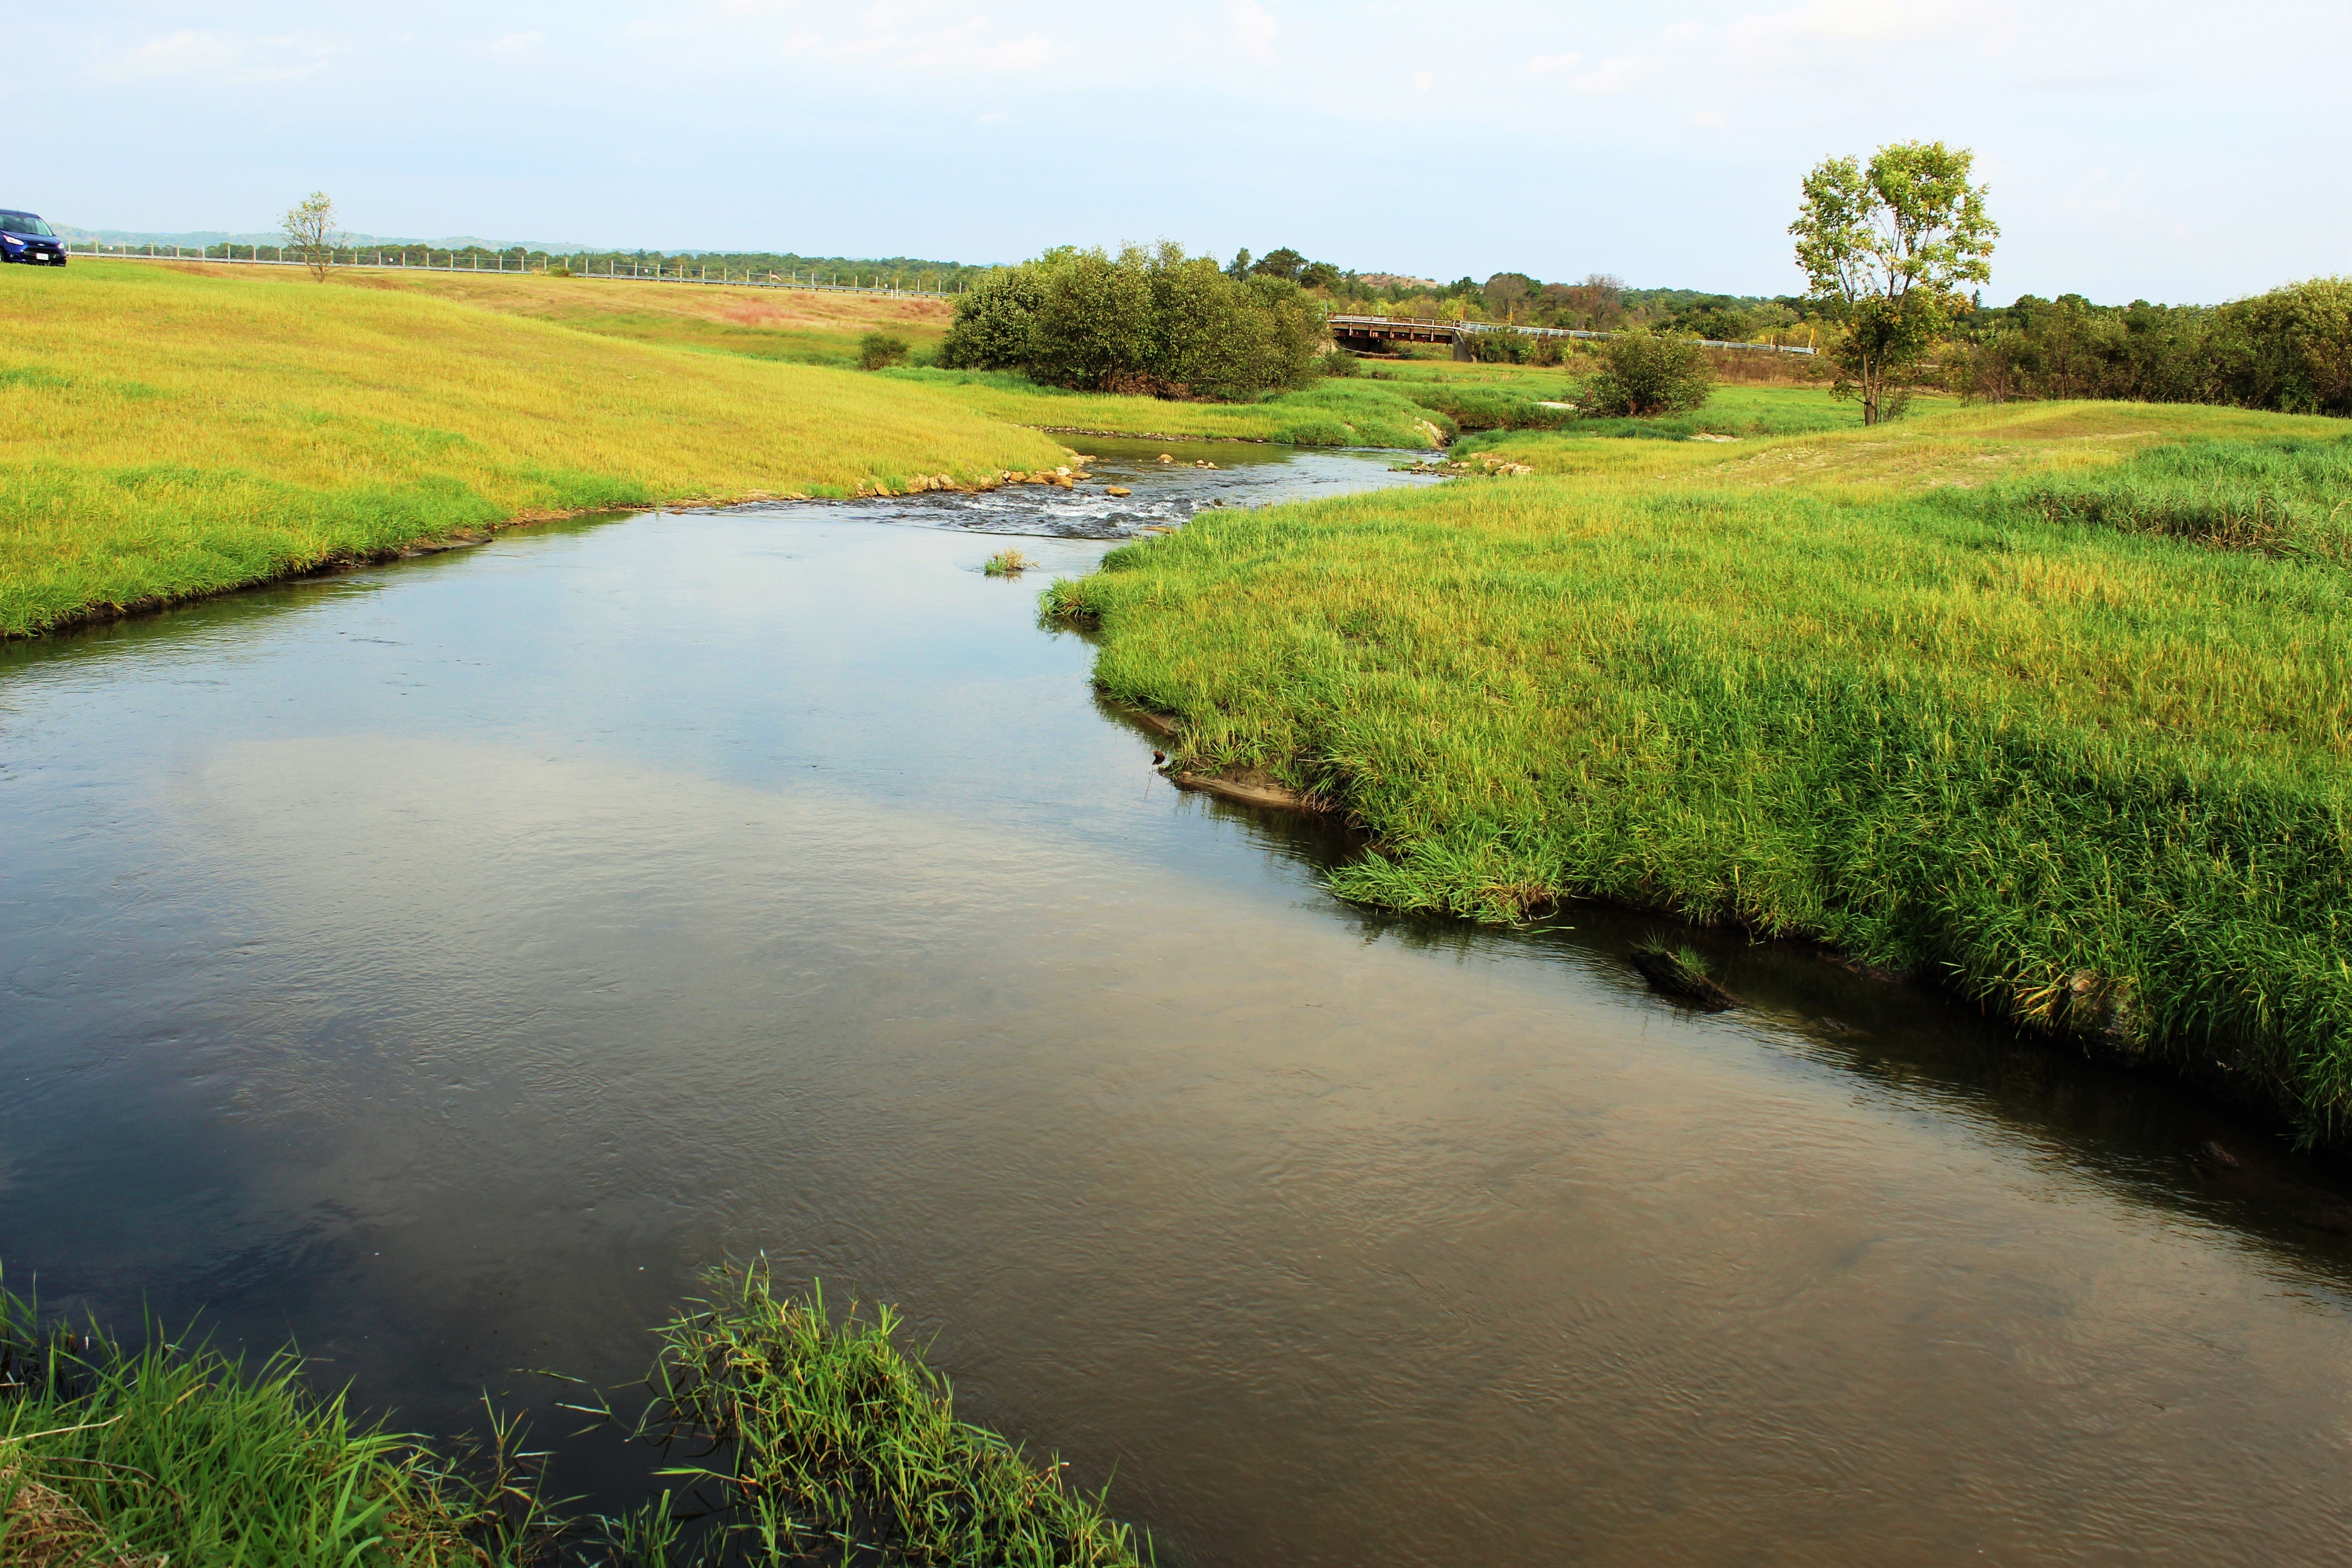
(829, 1433)
(1868, 688)
(2286, 496)
(164, 1455)
(803, 1432)
(1331, 412)
(168, 432)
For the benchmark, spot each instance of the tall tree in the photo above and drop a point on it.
(310, 232)
(1886, 247)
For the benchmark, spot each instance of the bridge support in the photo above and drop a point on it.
(1462, 348)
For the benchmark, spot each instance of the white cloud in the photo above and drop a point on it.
(1867, 21)
(1422, 81)
(517, 43)
(1253, 30)
(225, 58)
(1711, 119)
(1543, 63)
(1613, 77)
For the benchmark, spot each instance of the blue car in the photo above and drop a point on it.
(24, 237)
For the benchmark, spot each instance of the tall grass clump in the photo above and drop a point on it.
(1834, 687)
(830, 1438)
(111, 1455)
(2286, 496)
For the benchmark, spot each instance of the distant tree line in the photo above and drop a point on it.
(1154, 321)
(2289, 350)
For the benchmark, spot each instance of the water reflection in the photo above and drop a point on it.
(442, 963)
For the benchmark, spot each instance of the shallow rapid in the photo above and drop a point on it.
(441, 964)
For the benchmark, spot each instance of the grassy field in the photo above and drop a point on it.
(172, 431)
(2051, 703)
(796, 326)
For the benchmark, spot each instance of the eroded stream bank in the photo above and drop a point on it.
(441, 963)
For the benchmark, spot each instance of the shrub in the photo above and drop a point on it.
(1153, 321)
(993, 320)
(1642, 374)
(879, 351)
(1341, 363)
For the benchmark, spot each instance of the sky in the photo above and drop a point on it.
(2172, 151)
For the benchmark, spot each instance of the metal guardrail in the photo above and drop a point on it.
(1459, 327)
(772, 281)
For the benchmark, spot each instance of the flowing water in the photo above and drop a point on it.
(440, 964)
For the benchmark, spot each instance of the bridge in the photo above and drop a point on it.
(1375, 333)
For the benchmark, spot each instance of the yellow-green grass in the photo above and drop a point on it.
(173, 431)
(824, 329)
(800, 325)
(1888, 689)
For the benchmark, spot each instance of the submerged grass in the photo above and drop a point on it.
(1859, 687)
(1679, 970)
(167, 432)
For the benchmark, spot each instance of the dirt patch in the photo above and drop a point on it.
(1250, 787)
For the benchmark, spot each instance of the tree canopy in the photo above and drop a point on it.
(1156, 321)
(1887, 246)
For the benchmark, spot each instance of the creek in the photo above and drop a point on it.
(440, 964)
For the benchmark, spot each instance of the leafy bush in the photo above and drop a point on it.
(1150, 321)
(1642, 374)
(879, 351)
(1341, 363)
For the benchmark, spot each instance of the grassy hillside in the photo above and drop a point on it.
(172, 431)
(1976, 695)
(798, 326)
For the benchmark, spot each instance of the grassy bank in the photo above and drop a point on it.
(1960, 696)
(112, 1457)
(797, 1434)
(167, 432)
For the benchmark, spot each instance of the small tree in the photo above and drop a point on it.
(310, 232)
(1887, 248)
(1642, 374)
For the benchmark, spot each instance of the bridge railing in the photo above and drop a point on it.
(1459, 327)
